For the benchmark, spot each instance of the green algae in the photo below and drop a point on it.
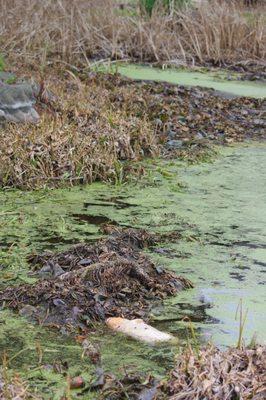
(219, 209)
(45, 358)
(207, 79)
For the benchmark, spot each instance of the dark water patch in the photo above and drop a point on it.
(170, 253)
(248, 244)
(94, 219)
(120, 202)
(194, 313)
(116, 202)
(238, 276)
(99, 204)
(242, 267)
(262, 264)
(243, 243)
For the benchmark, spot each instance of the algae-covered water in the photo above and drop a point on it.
(220, 209)
(208, 79)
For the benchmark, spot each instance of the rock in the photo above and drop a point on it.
(199, 135)
(17, 102)
(138, 329)
(174, 144)
(205, 299)
(149, 393)
(171, 134)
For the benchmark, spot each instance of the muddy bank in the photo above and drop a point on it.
(93, 282)
(105, 123)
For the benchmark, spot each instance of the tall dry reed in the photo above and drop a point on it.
(220, 32)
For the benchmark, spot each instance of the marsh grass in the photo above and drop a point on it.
(103, 126)
(75, 32)
(85, 141)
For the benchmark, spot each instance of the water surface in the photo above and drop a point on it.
(220, 210)
(207, 79)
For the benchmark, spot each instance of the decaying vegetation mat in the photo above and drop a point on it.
(92, 282)
(101, 122)
(206, 374)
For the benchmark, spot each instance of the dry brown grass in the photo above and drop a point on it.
(86, 140)
(215, 375)
(222, 32)
(74, 32)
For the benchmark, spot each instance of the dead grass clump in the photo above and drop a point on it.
(216, 375)
(219, 32)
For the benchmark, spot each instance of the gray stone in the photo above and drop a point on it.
(17, 102)
(174, 144)
(171, 134)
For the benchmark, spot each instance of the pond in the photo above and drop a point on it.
(217, 80)
(220, 209)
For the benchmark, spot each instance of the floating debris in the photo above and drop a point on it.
(138, 329)
(111, 278)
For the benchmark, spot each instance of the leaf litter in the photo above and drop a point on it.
(91, 282)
